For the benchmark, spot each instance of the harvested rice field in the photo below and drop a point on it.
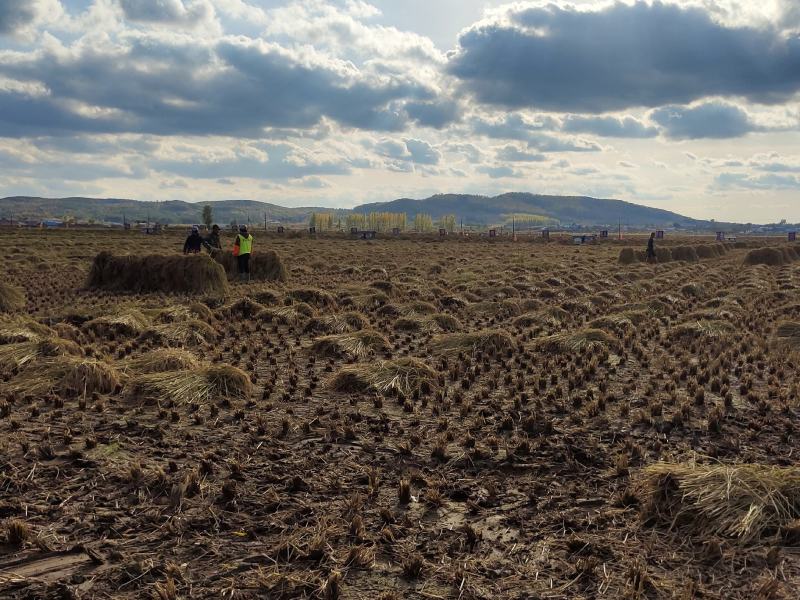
(400, 418)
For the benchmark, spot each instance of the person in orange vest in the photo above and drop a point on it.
(242, 247)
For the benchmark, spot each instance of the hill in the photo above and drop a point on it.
(114, 210)
(473, 209)
(583, 210)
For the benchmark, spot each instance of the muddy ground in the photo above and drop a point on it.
(514, 476)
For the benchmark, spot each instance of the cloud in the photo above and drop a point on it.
(422, 152)
(625, 127)
(16, 14)
(498, 172)
(436, 114)
(516, 127)
(171, 12)
(512, 153)
(618, 56)
(179, 85)
(727, 181)
(713, 119)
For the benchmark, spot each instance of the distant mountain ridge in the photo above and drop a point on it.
(472, 209)
(582, 210)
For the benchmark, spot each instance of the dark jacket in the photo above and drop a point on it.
(651, 247)
(193, 243)
(212, 242)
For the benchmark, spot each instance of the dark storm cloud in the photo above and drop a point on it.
(622, 56)
(236, 87)
(15, 14)
(709, 120)
(626, 127)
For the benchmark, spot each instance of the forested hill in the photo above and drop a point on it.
(560, 209)
(471, 209)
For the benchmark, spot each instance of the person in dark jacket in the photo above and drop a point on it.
(212, 242)
(651, 250)
(194, 242)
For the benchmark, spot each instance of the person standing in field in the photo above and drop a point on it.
(242, 247)
(194, 242)
(212, 242)
(651, 249)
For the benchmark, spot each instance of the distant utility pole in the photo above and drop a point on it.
(620, 230)
(265, 221)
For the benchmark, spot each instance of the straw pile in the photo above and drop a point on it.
(404, 376)
(196, 274)
(578, 341)
(12, 299)
(747, 501)
(772, 257)
(201, 386)
(685, 253)
(359, 344)
(66, 373)
(487, 340)
(265, 265)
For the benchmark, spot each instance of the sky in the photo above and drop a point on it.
(685, 105)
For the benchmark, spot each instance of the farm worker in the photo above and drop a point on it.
(212, 242)
(651, 250)
(241, 250)
(194, 242)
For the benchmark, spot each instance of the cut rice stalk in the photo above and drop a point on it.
(746, 501)
(404, 376)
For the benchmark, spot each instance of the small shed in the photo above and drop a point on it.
(720, 236)
(492, 233)
(792, 236)
(368, 235)
(442, 232)
(604, 234)
(312, 230)
(546, 234)
(659, 235)
(395, 231)
(281, 229)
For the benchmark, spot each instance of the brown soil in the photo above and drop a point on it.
(518, 466)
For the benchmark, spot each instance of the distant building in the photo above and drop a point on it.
(52, 223)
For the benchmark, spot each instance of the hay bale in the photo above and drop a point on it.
(685, 253)
(127, 323)
(705, 251)
(745, 501)
(663, 254)
(196, 274)
(402, 376)
(265, 265)
(12, 299)
(627, 256)
(772, 257)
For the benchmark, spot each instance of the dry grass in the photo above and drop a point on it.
(404, 376)
(12, 299)
(747, 501)
(66, 373)
(197, 274)
(15, 356)
(582, 340)
(201, 386)
(130, 322)
(487, 340)
(338, 322)
(266, 265)
(702, 328)
(23, 329)
(181, 333)
(359, 344)
(772, 257)
(161, 360)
